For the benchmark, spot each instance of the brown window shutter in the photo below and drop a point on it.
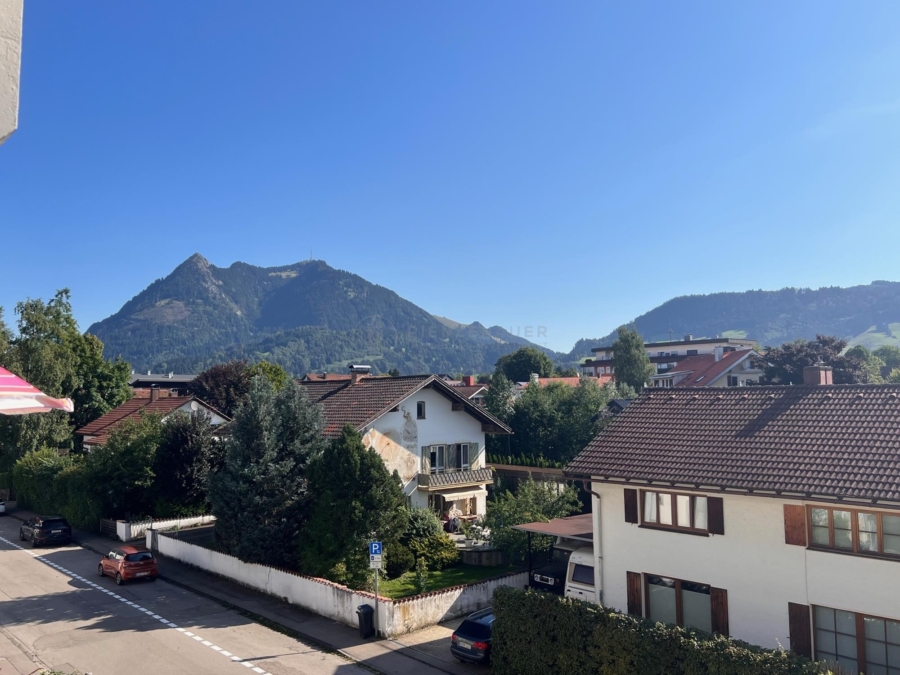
(631, 505)
(800, 631)
(718, 600)
(635, 603)
(715, 516)
(794, 525)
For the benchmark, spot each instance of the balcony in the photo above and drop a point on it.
(455, 478)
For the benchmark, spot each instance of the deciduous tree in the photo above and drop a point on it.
(182, 463)
(631, 364)
(520, 364)
(785, 364)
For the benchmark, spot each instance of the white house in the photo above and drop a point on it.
(157, 402)
(666, 356)
(770, 514)
(735, 368)
(426, 429)
(10, 65)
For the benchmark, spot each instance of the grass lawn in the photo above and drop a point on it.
(463, 574)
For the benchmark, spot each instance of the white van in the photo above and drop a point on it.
(580, 575)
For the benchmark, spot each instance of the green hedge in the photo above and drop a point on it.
(537, 633)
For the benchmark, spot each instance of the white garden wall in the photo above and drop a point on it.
(127, 531)
(395, 617)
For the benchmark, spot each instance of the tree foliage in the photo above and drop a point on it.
(519, 366)
(785, 364)
(51, 353)
(533, 502)
(355, 499)
(259, 496)
(631, 364)
(890, 355)
(186, 454)
(274, 373)
(500, 397)
(224, 386)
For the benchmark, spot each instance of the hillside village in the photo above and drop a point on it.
(291, 469)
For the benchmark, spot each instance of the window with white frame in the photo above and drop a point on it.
(437, 455)
(462, 456)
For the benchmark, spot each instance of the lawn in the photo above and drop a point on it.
(404, 586)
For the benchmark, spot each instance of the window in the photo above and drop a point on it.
(681, 602)
(866, 532)
(688, 512)
(583, 574)
(733, 381)
(665, 383)
(462, 456)
(692, 352)
(857, 642)
(420, 410)
(437, 457)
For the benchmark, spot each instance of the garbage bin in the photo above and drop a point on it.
(366, 621)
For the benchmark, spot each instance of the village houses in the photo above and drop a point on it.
(769, 514)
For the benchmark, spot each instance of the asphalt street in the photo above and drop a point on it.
(56, 611)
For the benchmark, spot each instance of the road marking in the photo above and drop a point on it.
(183, 631)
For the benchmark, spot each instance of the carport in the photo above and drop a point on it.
(577, 528)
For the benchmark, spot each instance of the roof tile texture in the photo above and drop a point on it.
(838, 440)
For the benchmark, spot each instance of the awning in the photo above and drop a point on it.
(17, 397)
(574, 527)
(462, 494)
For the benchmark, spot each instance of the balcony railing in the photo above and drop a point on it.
(455, 477)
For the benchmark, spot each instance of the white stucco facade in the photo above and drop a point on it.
(10, 65)
(399, 437)
(751, 561)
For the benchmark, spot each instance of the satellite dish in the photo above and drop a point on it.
(195, 406)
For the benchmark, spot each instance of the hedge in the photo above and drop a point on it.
(537, 633)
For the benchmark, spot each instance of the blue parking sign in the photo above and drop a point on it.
(374, 548)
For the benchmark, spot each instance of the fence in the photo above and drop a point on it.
(395, 617)
(127, 531)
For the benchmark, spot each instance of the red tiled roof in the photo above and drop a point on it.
(324, 377)
(705, 369)
(100, 428)
(836, 440)
(469, 392)
(367, 400)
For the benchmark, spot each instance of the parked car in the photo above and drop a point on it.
(472, 640)
(42, 530)
(552, 576)
(2, 508)
(128, 563)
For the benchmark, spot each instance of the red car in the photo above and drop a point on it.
(127, 563)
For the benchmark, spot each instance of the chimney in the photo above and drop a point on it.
(534, 377)
(469, 381)
(358, 372)
(688, 337)
(148, 372)
(719, 351)
(817, 375)
(154, 394)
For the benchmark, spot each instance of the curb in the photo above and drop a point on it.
(281, 628)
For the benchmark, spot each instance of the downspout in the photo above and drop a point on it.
(598, 543)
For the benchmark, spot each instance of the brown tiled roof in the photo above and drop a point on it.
(469, 392)
(100, 428)
(705, 369)
(324, 377)
(464, 477)
(367, 400)
(838, 440)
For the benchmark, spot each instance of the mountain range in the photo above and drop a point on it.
(306, 317)
(311, 317)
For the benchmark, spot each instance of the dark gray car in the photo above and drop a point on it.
(42, 530)
(472, 640)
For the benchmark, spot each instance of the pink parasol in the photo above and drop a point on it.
(17, 397)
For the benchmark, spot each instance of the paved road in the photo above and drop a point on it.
(56, 611)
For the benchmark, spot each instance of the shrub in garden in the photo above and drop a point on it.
(422, 523)
(421, 580)
(438, 550)
(399, 559)
(537, 633)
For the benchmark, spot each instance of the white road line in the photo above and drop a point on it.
(206, 643)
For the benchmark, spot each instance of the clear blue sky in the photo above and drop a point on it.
(564, 165)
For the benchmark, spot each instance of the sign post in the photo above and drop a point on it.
(375, 552)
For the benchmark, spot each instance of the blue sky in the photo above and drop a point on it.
(558, 165)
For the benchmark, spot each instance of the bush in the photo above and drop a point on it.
(399, 560)
(421, 580)
(33, 478)
(438, 551)
(537, 633)
(422, 523)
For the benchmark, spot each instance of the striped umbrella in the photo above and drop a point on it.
(17, 397)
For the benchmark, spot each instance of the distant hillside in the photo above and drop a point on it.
(306, 316)
(867, 315)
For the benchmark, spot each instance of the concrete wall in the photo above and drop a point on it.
(10, 65)
(333, 600)
(750, 561)
(127, 531)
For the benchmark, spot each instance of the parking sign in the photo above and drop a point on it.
(375, 548)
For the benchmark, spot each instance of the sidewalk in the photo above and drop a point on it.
(389, 657)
